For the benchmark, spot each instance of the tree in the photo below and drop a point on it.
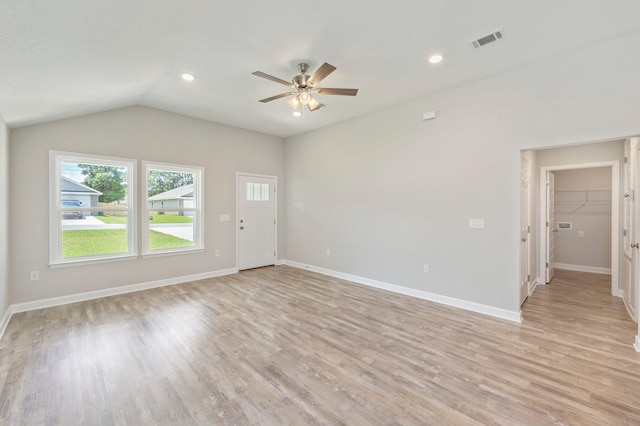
(159, 181)
(111, 181)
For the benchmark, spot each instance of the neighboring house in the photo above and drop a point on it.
(72, 190)
(178, 198)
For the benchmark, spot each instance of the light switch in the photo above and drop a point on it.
(476, 223)
(225, 217)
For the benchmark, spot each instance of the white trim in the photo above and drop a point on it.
(615, 215)
(636, 345)
(583, 268)
(90, 261)
(80, 297)
(55, 210)
(626, 306)
(5, 320)
(280, 262)
(619, 293)
(198, 198)
(437, 298)
(536, 282)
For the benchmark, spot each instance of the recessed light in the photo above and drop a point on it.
(434, 59)
(188, 77)
(297, 113)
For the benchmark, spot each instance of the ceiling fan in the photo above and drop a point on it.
(304, 86)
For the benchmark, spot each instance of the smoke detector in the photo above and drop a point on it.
(488, 39)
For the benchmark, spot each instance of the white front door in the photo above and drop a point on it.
(551, 226)
(256, 221)
(525, 229)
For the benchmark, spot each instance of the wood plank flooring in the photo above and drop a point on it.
(282, 346)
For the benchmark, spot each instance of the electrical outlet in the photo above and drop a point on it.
(427, 269)
(217, 253)
(580, 234)
(35, 275)
(328, 252)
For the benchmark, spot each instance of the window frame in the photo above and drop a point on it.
(56, 158)
(198, 209)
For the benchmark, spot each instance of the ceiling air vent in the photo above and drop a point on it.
(490, 38)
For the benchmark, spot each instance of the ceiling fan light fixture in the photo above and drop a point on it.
(305, 97)
(294, 102)
(313, 104)
(187, 76)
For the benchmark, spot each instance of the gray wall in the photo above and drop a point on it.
(145, 134)
(588, 213)
(388, 192)
(4, 218)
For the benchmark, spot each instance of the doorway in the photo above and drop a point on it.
(548, 226)
(256, 229)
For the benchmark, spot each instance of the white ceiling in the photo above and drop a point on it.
(65, 58)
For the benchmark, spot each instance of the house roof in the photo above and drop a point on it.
(61, 60)
(180, 193)
(70, 186)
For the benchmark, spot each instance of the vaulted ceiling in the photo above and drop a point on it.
(64, 58)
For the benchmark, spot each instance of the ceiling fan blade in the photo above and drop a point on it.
(273, 98)
(324, 70)
(332, 91)
(272, 78)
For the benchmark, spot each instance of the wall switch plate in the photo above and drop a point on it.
(216, 253)
(476, 223)
(427, 269)
(35, 275)
(580, 234)
(225, 218)
(328, 252)
(430, 115)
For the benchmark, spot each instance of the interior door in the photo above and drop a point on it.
(525, 230)
(631, 235)
(256, 221)
(551, 227)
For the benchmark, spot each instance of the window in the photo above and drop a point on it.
(257, 191)
(173, 212)
(91, 208)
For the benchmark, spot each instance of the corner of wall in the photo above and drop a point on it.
(4, 225)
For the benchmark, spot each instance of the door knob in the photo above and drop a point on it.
(635, 245)
(524, 240)
(242, 227)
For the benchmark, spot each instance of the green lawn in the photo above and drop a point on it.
(111, 241)
(155, 218)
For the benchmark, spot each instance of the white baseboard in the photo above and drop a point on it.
(636, 345)
(582, 268)
(515, 316)
(280, 262)
(80, 297)
(534, 285)
(617, 293)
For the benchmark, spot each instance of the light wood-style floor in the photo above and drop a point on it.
(282, 346)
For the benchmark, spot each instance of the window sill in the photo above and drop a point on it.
(172, 253)
(80, 262)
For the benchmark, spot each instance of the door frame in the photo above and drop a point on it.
(525, 212)
(615, 217)
(275, 204)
